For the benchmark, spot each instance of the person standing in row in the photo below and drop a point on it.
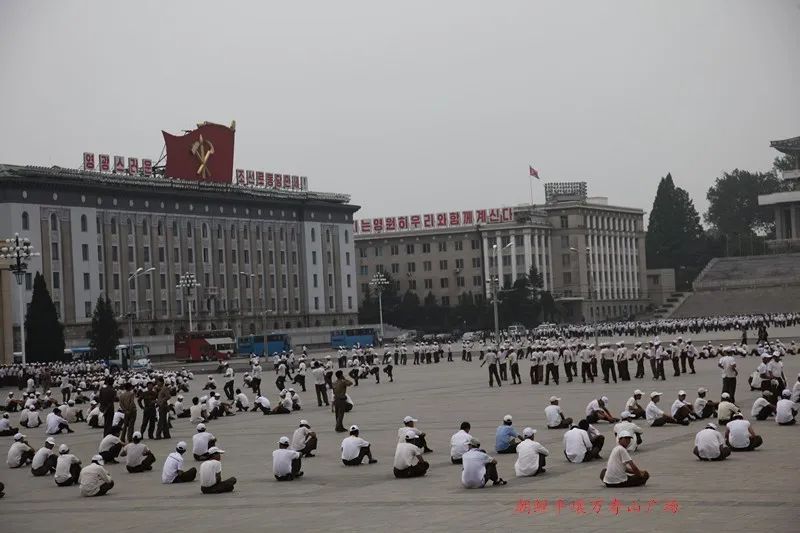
(229, 381)
(147, 401)
(729, 372)
(107, 397)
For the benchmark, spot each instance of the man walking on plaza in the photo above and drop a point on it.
(729, 372)
(491, 359)
(340, 399)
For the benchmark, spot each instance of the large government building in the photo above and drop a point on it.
(591, 254)
(264, 258)
(786, 203)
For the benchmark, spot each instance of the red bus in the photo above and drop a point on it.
(211, 345)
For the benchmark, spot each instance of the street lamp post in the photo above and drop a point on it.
(188, 282)
(496, 287)
(19, 251)
(379, 283)
(131, 314)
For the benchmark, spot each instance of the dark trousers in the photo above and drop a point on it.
(223, 486)
(74, 472)
(653, 368)
(104, 488)
(683, 362)
(755, 442)
(186, 476)
(311, 445)
(640, 368)
(148, 421)
(676, 366)
(296, 465)
(108, 418)
(112, 453)
(418, 470)
(568, 371)
(322, 394)
(363, 452)
(552, 370)
(729, 386)
(515, 373)
(691, 365)
(145, 465)
(128, 424)
(765, 412)
(632, 481)
(301, 380)
(660, 370)
(503, 367)
(339, 405)
(494, 375)
(534, 375)
(565, 423)
(586, 372)
(48, 467)
(263, 409)
(607, 366)
(491, 472)
(163, 422)
(280, 383)
(255, 384)
(622, 370)
(228, 389)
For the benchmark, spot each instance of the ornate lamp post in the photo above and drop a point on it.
(19, 251)
(188, 282)
(379, 283)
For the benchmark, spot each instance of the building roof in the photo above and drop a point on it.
(787, 146)
(155, 184)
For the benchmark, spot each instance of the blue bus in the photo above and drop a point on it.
(350, 337)
(275, 342)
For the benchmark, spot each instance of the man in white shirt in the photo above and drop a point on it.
(627, 425)
(94, 479)
(491, 358)
(729, 372)
(138, 457)
(68, 467)
(284, 406)
(554, 415)
(197, 412)
(20, 453)
(530, 455)
(242, 401)
(653, 413)
(319, 383)
(5, 427)
(56, 423)
(286, 463)
(173, 471)
(229, 379)
(621, 471)
(354, 449)
(578, 447)
(704, 408)
(261, 403)
(459, 443)
(726, 409)
(740, 436)
(110, 447)
(762, 407)
(681, 411)
(180, 410)
(304, 440)
(633, 406)
(44, 461)
(709, 445)
(211, 481)
(408, 461)
(478, 468)
(202, 442)
(786, 410)
(597, 410)
(255, 382)
(417, 437)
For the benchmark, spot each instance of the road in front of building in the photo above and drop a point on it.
(683, 494)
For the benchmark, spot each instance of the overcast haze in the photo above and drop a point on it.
(414, 106)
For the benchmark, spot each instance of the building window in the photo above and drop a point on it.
(86, 282)
(313, 235)
(445, 301)
(145, 229)
(54, 251)
(28, 281)
(259, 256)
(87, 309)
(101, 282)
(443, 264)
(115, 281)
(146, 254)
(520, 260)
(567, 278)
(379, 268)
(316, 302)
(234, 257)
(395, 268)
(113, 226)
(362, 252)
(411, 267)
(330, 258)
(363, 270)
(476, 281)
(346, 237)
(85, 252)
(84, 224)
(428, 283)
(176, 255)
(460, 281)
(476, 262)
(53, 222)
(412, 284)
(518, 240)
(130, 254)
(313, 257)
(283, 283)
(348, 281)
(564, 222)
(25, 221)
(394, 249)
(347, 258)
(426, 266)
(566, 260)
(459, 263)
(295, 281)
(330, 302)
(204, 230)
(271, 256)
(442, 246)
(410, 249)
(315, 280)
(246, 257)
(190, 255)
(130, 227)
(235, 281)
(506, 260)
(114, 254)
(378, 251)
(161, 254)
(330, 280)
(283, 257)
(56, 280)
(459, 245)
(349, 302)
(426, 248)
(272, 283)
(476, 244)
(565, 241)
(444, 283)
(188, 229)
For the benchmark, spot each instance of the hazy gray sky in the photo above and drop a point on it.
(413, 106)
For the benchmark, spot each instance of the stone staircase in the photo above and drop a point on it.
(671, 304)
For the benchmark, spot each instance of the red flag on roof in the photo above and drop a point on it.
(533, 172)
(203, 154)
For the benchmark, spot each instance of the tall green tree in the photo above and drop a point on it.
(44, 333)
(733, 209)
(104, 333)
(674, 234)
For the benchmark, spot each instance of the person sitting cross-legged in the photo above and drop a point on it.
(709, 445)
(621, 471)
(355, 449)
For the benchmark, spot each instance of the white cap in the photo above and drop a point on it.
(98, 459)
(604, 399)
(625, 414)
(681, 393)
(181, 445)
(214, 449)
(63, 449)
(201, 427)
(654, 394)
(408, 419)
(555, 399)
(528, 432)
(50, 440)
(786, 393)
(624, 433)
(507, 418)
(711, 425)
(283, 440)
(702, 390)
(637, 391)
(725, 395)
(19, 436)
(137, 435)
(353, 428)
(304, 422)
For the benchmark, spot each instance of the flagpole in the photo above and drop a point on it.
(530, 183)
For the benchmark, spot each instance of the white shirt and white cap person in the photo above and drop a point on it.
(785, 409)
(553, 413)
(351, 445)
(200, 441)
(41, 455)
(616, 471)
(405, 455)
(93, 476)
(459, 444)
(707, 441)
(739, 433)
(576, 444)
(300, 436)
(528, 453)
(210, 468)
(173, 464)
(627, 425)
(282, 458)
(653, 411)
(64, 463)
(473, 475)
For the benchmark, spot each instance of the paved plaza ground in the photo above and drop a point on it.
(751, 490)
